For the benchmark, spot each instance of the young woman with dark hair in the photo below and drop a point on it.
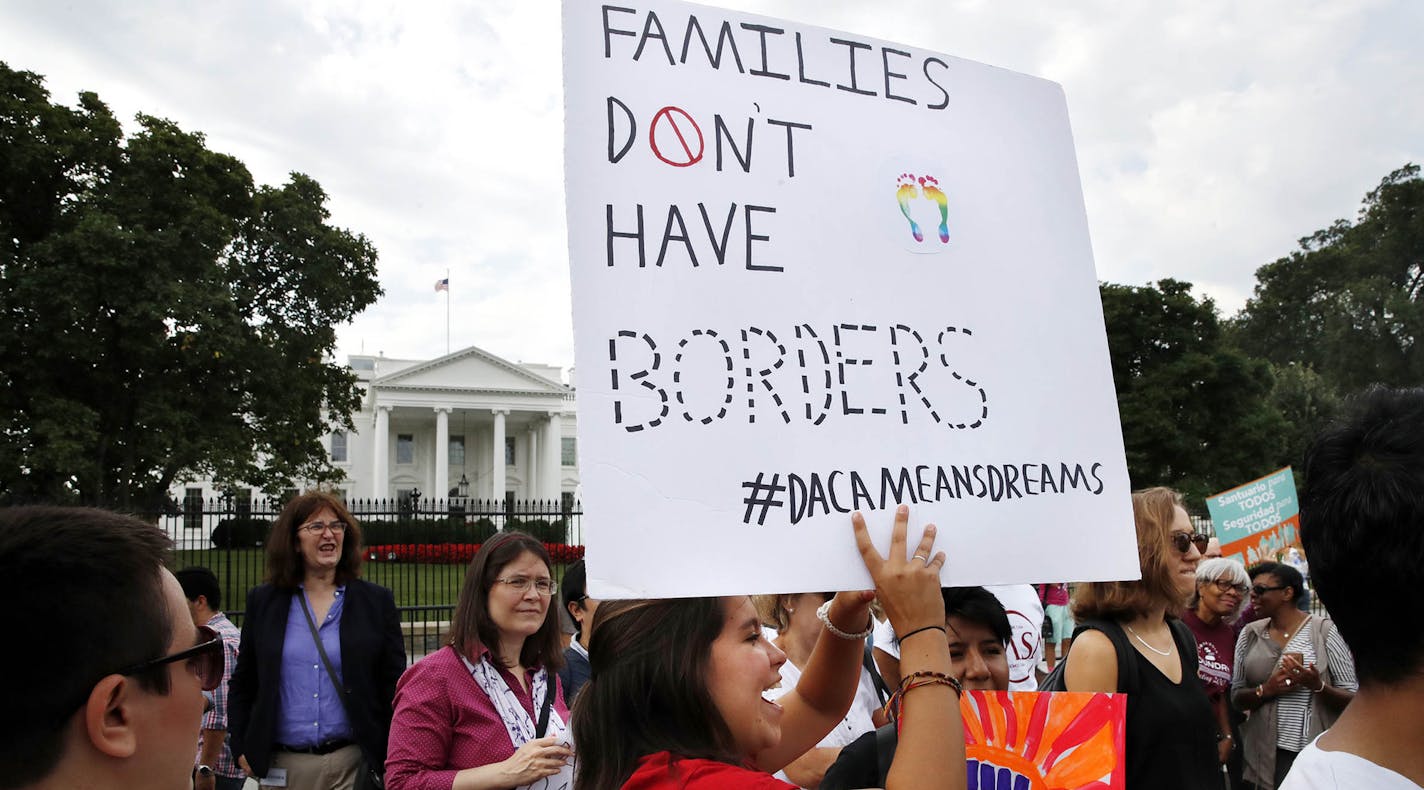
(1171, 732)
(978, 633)
(486, 711)
(677, 694)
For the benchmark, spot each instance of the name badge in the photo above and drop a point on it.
(276, 777)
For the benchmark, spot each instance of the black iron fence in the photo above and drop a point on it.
(419, 548)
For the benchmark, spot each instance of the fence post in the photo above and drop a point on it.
(415, 520)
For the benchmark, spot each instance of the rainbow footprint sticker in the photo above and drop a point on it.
(910, 190)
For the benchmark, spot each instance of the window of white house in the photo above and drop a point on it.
(405, 448)
(509, 450)
(242, 500)
(568, 452)
(192, 508)
(457, 451)
(338, 447)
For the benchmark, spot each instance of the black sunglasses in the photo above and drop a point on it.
(207, 659)
(1183, 542)
(1258, 590)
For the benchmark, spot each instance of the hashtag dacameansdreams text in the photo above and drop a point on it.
(842, 491)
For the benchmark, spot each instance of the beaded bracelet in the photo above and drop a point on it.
(907, 682)
(823, 613)
(914, 680)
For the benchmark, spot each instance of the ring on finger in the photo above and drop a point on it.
(922, 557)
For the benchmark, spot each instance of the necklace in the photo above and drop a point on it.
(1139, 638)
(1287, 634)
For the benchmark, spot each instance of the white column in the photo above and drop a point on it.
(441, 489)
(497, 477)
(531, 462)
(553, 457)
(380, 456)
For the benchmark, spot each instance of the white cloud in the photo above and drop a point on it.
(1211, 134)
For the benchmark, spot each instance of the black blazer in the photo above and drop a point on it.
(372, 660)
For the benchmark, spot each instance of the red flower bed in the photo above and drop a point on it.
(455, 553)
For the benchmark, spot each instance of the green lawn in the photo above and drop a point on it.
(238, 570)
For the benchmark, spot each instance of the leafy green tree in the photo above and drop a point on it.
(163, 317)
(1307, 402)
(1347, 305)
(1194, 410)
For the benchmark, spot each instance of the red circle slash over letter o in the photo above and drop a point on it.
(666, 121)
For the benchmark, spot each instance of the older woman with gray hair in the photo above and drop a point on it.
(1222, 585)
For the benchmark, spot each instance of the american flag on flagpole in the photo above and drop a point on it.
(442, 285)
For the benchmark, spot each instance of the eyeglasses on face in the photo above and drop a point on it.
(521, 584)
(1260, 590)
(206, 659)
(1183, 541)
(1224, 585)
(318, 527)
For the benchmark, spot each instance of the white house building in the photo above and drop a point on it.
(468, 423)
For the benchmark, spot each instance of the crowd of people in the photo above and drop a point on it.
(139, 680)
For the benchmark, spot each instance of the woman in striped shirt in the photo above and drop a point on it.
(1292, 672)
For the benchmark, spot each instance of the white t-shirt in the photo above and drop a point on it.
(1025, 613)
(1317, 769)
(857, 720)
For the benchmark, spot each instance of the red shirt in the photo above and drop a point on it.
(659, 772)
(445, 723)
(1056, 595)
(1216, 651)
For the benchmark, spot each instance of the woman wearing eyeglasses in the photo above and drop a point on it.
(1221, 592)
(1130, 641)
(486, 711)
(1293, 674)
(313, 621)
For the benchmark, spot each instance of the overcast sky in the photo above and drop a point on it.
(1211, 134)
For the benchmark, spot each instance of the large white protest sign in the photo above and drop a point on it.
(815, 273)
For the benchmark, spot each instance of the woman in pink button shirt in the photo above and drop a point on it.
(486, 711)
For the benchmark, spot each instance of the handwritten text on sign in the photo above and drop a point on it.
(1257, 520)
(816, 273)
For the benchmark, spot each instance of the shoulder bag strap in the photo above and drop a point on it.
(1126, 656)
(881, 690)
(321, 649)
(549, 688)
(341, 692)
(1320, 634)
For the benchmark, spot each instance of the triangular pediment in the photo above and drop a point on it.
(471, 369)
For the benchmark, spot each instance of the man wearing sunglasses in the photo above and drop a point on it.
(105, 671)
(1362, 523)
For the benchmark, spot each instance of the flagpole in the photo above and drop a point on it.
(447, 312)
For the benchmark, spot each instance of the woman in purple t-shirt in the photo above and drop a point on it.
(1221, 591)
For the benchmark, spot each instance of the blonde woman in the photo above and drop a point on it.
(1171, 733)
